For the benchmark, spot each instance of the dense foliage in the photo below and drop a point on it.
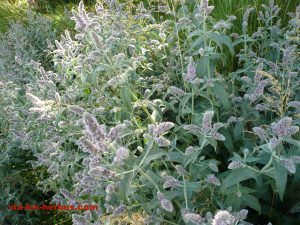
(138, 116)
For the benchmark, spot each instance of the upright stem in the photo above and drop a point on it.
(185, 193)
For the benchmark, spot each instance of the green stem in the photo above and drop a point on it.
(185, 193)
(143, 107)
(193, 103)
(145, 156)
(268, 164)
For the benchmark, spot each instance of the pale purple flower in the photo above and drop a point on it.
(35, 100)
(205, 8)
(97, 39)
(246, 17)
(210, 82)
(237, 99)
(223, 217)
(171, 182)
(235, 165)
(122, 153)
(212, 179)
(66, 194)
(78, 220)
(79, 36)
(116, 131)
(90, 123)
(163, 8)
(217, 126)
(260, 132)
(184, 22)
(235, 35)
(207, 121)
(101, 171)
(283, 127)
(288, 54)
(218, 136)
(258, 74)
(160, 128)
(180, 170)
(273, 143)
(189, 150)
(289, 165)
(147, 93)
(88, 146)
(222, 24)
(232, 18)
(193, 218)
(120, 57)
(234, 119)
(176, 91)
(191, 71)
(261, 107)
(162, 142)
(242, 215)
(119, 210)
(81, 24)
(94, 161)
(108, 208)
(110, 188)
(258, 91)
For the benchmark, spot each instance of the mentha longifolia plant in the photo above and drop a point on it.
(137, 119)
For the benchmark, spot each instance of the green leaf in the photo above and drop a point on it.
(222, 95)
(154, 154)
(197, 43)
(291, 141)
(280, 176)
(102, 67)
(126, 97)
(237, 176)
(252, 202)
(238, 131)
(125, 187)
(221, 40)
(184, 101)
(176, 157)
(228, 140)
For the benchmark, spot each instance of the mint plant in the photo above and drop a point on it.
(138, 117)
